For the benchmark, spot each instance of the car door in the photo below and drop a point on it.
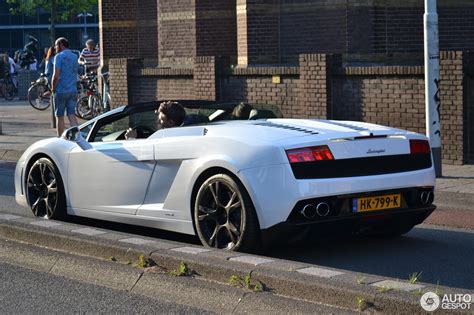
(110, 176)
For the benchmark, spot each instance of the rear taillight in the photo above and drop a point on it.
(419, 147)
(319, 153)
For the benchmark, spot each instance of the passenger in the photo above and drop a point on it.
(241, 111)
(170, 114)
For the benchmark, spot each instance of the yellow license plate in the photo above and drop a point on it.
(376, 203)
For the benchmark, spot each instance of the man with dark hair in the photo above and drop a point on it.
(170, 114)
(64, 84)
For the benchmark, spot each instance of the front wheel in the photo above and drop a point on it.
(224, 215)
(45, 191)
(39, 96)
(88, 107)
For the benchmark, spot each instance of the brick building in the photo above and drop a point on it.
(340, 59)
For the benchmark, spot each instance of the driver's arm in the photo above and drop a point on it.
(130, 134)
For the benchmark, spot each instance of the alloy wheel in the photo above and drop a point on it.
(42, 190)
(220, 214)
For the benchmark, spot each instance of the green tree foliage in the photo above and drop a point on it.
(67, 8)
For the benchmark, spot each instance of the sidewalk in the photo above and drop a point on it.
(21, 125)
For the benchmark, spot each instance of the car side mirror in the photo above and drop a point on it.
(74, 134)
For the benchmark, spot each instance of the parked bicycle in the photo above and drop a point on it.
(93, 103)
(7, 88)
(39, 93)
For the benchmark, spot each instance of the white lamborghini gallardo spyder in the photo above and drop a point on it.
(235, 183)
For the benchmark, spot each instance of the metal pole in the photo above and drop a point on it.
(85, 27)
(432, 84)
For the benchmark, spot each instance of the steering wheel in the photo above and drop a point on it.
(143, 131)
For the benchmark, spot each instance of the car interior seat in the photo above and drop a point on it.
(194, 119)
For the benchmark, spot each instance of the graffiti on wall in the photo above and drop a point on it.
(438, 105)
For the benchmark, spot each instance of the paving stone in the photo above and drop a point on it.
(359, 278)
(112, 236)
(88, 231)
(191, 250)
(251, 260)
(221, 254)
(320, 272)
(136, 241)
(45, 223)
(67, 227)
(398, 285)
(165, 245)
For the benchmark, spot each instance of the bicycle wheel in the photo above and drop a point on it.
(88, 107)
(39, 96)
(8, 90)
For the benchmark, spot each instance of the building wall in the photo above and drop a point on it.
(278, 31)
(151, 88)
(312, 27)
(177, 31)
(261, 90)
(394, 100)
(128, 29)
(216, 28)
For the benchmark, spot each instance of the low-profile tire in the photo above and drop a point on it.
(45, 190)
(224, 215)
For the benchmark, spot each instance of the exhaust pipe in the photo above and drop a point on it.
(308, 211)
(425, 197)
(323, 209)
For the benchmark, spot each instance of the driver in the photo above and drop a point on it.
(170, 114)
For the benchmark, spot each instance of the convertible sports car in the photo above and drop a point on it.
(235, 181)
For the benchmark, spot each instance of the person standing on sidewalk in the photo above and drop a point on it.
(90, 57)
(64, 84)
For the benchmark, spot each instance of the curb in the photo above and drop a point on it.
(293, 279)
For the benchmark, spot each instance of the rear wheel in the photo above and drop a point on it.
(45, 191)
(88, 107)
(39, 96)
(224, 215)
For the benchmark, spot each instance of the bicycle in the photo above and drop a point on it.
(93, 103)
(7, 88)
(39, 93)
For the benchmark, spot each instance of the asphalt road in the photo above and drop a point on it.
(26, 291)
(36, 280)
(444, 255)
